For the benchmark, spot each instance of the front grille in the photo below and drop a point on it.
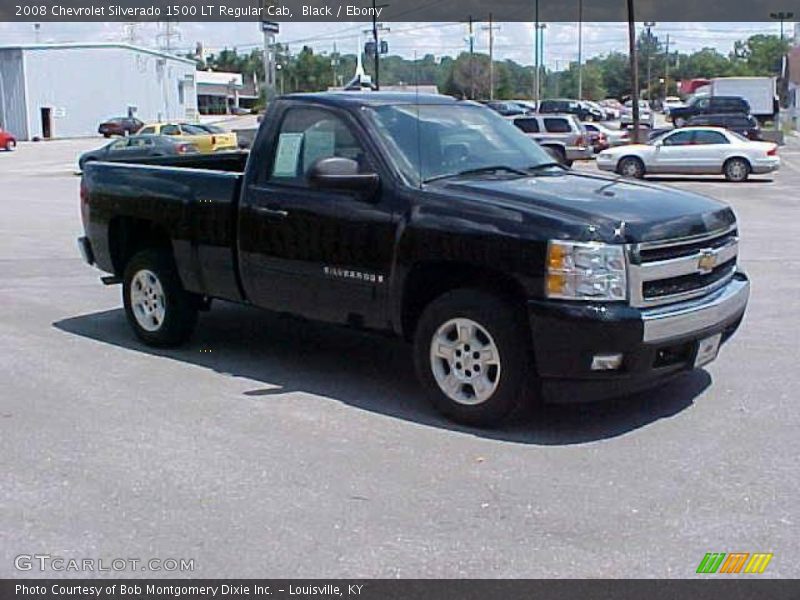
(670, 252)
(677, 270)
(686, 283)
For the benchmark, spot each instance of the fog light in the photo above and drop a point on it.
(606, 362)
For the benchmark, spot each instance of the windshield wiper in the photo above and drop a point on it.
(479, 171)
(546, 165)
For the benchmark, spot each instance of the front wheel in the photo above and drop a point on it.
(158, 309)
(472, 355)
(679, 122)
(630, 166)
(10, 145)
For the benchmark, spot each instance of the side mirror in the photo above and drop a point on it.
(337, 173)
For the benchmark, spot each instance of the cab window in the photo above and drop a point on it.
(150, 129)
(170, 130)
(307, 135)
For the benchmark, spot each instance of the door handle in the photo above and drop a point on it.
(271, 212)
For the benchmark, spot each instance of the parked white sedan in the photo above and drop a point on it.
(693, 150)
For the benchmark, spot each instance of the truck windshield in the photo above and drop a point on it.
(433, 141)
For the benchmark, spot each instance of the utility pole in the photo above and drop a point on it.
(536, 55)
(634, 71)
(166, 37)
(666, 71)
(471, 61)
(491, 29)
(542, 68)
(335, 63)
(377, 47)
(580, 50)
(270, 29)
(558, 81)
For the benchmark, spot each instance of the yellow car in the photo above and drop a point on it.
(206, 140)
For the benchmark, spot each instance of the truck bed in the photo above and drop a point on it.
(190, 201)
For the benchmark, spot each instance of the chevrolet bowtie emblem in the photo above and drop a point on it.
(707, 261)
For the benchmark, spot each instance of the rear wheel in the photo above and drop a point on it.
(10, 145)
(630, 166)
(679, 121)
(158, 309)
(736, 170)
(472, 355)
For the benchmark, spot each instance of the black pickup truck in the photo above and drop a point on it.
(436, 220)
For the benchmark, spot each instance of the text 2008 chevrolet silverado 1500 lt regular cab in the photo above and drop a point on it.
(436, 220)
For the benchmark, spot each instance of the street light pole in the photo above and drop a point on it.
(540, 69)
(580, 49)
(648, 25)
(781, 16)
(536, 55)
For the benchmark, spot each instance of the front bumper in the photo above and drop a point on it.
(655, 343)
(579, 152)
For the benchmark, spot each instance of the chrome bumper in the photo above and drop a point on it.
(676, 320)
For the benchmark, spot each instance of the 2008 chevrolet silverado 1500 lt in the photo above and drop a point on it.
(436, 220)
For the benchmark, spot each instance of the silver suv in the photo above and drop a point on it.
(560, 134)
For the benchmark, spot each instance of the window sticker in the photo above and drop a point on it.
(319, 144)
(287, 155)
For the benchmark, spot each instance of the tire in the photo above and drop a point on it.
(106, 135)
(736, 170)
(10, 145)
(679, 122)
(158, 309)
(558, 154)
(470, 323)
(631, 166)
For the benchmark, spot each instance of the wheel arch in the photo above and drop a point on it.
(427, 281)
(129, 235)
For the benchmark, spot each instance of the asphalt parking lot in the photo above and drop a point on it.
(272, 448)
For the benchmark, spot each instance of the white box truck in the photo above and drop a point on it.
(758, 91)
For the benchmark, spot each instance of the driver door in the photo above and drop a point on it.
(322, 254)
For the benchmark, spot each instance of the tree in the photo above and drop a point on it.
(760, 54)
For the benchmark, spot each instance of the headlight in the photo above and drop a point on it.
(586, 271)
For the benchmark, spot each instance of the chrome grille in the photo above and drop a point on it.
(675, 270)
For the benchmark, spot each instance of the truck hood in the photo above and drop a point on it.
(602, 208)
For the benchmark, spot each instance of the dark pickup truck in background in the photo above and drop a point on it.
(436, 220)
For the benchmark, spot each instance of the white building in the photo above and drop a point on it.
(219, 92)
(67, 90)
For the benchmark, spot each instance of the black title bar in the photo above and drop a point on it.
(397, 10)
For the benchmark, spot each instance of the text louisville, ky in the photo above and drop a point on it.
(177, 591)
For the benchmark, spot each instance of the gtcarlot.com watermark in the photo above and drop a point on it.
(59, 564)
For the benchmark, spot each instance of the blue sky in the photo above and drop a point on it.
(513, 40)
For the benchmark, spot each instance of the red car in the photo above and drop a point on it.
(120, 126)
(7, 141)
